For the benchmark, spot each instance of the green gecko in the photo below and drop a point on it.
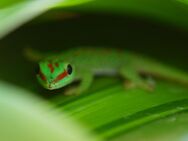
(61, 69)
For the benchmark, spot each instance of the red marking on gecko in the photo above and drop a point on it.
(51, 67)
(42, 76)
(56, 64)
(61, 76)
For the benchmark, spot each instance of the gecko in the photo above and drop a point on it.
(84, 63)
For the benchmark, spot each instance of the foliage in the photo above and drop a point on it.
(106, 109)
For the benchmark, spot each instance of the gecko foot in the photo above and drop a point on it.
(143, 85)
(72, 91)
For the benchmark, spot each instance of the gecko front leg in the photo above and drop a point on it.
(86, 79)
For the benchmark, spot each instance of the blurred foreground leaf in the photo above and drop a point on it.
(15, 14)
(5, 3)
(26, 118)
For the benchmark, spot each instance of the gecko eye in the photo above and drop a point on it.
(69, 69)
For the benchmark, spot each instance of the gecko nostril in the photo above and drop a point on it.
(51, 78)
(49, 81)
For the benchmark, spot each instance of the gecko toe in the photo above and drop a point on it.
(142, 85)
(73, 91)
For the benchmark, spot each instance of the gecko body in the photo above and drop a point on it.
(59, 70)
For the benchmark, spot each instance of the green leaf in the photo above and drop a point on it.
(106, 109)
(171, 12)
(115, 111)
(17, 13)
(71, 3)
(183, 1)
(172, 128)
(6, 3)
(27, 118)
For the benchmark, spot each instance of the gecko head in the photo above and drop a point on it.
(55, 74)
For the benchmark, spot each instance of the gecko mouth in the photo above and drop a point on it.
(51, 86)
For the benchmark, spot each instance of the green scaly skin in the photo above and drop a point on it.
(59, 70)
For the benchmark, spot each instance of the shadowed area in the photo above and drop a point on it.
(131, 33)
